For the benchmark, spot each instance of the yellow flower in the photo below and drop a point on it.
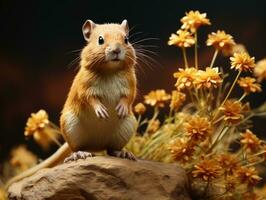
(36, 122)
(250, 141)
(157, 98)
(249, 85)
(185, 78)
(207, 170)
(193, 20)
(198, 128)
(248, 176)
(182, 39)
(233, 111)
(242, 62)
(22, 158)
(39, 127)
(209, 78)
(153, 126)
(140, 108)
(178, 98)
(260, 70)
(229, 163)
(220, 41)
(182, 149)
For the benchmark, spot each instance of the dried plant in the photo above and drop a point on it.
(205, 119)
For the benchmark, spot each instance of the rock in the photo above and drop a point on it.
(105, 178)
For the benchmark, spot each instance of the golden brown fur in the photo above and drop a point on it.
(104, 87)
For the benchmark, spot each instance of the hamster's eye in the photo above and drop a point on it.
(100, 40)
(126, 39)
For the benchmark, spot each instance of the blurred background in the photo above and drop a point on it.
(40, 41)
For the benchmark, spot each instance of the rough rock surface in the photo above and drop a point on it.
(105, 178)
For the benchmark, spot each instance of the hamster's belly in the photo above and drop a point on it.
(88, 132)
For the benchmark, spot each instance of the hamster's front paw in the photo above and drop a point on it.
(122, 109)
(101, 111)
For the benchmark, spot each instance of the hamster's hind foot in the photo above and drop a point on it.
(122, 154)
(78, 155)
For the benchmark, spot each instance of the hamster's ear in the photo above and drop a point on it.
(124, 25)
(87, 28)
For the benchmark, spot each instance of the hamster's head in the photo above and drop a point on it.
(108, 47)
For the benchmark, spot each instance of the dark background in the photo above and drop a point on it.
(37, 39)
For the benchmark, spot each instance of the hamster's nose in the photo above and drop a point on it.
(117, 50)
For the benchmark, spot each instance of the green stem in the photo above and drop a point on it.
(54, 126)
(155, 114)
(228, 94)
(243, 96)
(231, 89)
(214, 57)
(55, 140)
(138, 120)
(185, 57)
(254, 163)
(220, 135)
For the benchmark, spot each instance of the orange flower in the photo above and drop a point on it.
(260, 70)
(242, 62)
(207, 170)
(248, 176)
(209, 78)
(250, 141)
(198, 128)
(185, 78)
(178, 98)
(233, 111)
(140, 108)
(220, 41)
(182, 149)
(229, 163)
(182, 39)
(249, 85)
(157, 98)
(193, 20)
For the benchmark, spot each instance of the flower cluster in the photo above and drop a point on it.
(205, 119)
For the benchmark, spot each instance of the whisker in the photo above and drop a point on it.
(143, 40)
(74, 62)
(134, 34)
(74, 51)
(147, 51)
(146, 46)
